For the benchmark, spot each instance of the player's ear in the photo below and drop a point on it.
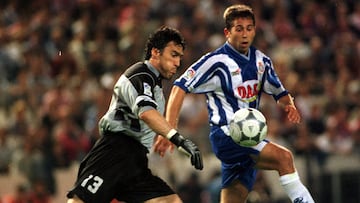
(226, 32)
(155, 53)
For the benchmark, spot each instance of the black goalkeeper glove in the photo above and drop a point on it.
(189, 147)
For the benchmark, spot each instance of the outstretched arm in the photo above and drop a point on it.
(158, 123)
(174, 104)
(287, 102)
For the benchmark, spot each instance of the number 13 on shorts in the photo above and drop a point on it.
(93, 185)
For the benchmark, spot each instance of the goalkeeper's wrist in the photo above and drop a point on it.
(175, 137)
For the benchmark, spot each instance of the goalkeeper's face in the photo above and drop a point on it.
(167, 61)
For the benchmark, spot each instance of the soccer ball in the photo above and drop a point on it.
(248, 127)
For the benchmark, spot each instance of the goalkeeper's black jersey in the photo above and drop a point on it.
(137, 90)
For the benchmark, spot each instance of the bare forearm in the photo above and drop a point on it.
(175, 101)
(156, 122)
(287, 103)
(286, 100)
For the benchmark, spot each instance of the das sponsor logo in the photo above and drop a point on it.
(248, 91)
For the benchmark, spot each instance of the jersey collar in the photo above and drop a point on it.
(235, 51)
(153, 69)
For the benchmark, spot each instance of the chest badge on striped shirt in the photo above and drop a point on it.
(261, 67)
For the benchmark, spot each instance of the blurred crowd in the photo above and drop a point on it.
(59, 60)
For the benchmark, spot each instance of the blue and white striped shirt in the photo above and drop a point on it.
(231, 80)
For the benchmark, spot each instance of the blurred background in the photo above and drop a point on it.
(59, 60)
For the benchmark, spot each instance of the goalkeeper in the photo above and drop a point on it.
(117, 166)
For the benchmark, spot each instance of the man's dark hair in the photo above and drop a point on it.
(237, 11)
(161, 37)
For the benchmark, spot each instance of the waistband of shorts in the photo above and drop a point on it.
(120, 135)
(116, 133)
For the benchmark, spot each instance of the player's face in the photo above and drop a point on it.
(241, 34)
(169, 59)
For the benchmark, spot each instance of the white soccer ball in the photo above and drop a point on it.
(248, 127)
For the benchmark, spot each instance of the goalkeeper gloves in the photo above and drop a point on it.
(188, 146)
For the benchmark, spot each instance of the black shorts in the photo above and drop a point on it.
(117, 167)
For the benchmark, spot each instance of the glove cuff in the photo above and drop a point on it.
(175, 137)
(171, 133)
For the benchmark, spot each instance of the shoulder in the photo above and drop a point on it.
(261, 57)
(259, 53)
(217, 56)
(140, 72)
(135, 69)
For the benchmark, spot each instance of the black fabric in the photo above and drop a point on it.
(117, 167)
